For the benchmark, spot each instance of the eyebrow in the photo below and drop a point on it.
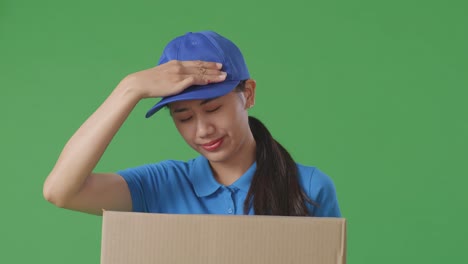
(178, 110)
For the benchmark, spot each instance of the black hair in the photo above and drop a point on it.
(275, 188)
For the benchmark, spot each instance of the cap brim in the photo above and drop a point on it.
(197, 92)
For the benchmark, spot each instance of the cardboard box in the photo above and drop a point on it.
(143, 238)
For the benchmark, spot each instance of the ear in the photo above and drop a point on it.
(249, 93)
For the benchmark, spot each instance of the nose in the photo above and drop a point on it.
(204, 128)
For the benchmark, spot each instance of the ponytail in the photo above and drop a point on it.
(275, 188)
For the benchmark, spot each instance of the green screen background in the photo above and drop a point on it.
(373, 93)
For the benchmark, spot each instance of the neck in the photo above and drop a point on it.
(229, 171)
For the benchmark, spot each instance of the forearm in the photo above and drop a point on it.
(85, 148)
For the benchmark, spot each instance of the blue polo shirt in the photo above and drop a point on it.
(179, 187)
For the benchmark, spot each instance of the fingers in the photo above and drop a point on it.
(197, 79)
(196, 72)
(198, 68)
(201, 71)
(202, 64)
(183, 67)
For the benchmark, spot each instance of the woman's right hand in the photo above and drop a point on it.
(172, 78)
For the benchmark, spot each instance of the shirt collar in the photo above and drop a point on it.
(243, 183)
(202, 177)
(205, 184)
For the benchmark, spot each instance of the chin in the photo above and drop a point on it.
(215, 156)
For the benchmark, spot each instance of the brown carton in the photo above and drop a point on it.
(143, 238)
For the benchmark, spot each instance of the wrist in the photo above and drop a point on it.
(127, 88)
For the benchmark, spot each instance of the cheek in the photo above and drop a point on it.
(185, 132)
(236, 123)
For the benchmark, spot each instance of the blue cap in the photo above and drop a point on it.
(205, 46)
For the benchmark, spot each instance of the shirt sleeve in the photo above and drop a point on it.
(325, 195)
(143, 183)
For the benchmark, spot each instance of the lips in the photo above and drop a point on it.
(213, 145)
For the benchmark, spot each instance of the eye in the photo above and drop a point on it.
(213, 110)
(185, 119)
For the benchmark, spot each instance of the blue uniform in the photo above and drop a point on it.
(179, 187)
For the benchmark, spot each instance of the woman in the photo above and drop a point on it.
(203, 80)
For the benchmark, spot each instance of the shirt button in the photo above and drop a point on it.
(230, 210)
